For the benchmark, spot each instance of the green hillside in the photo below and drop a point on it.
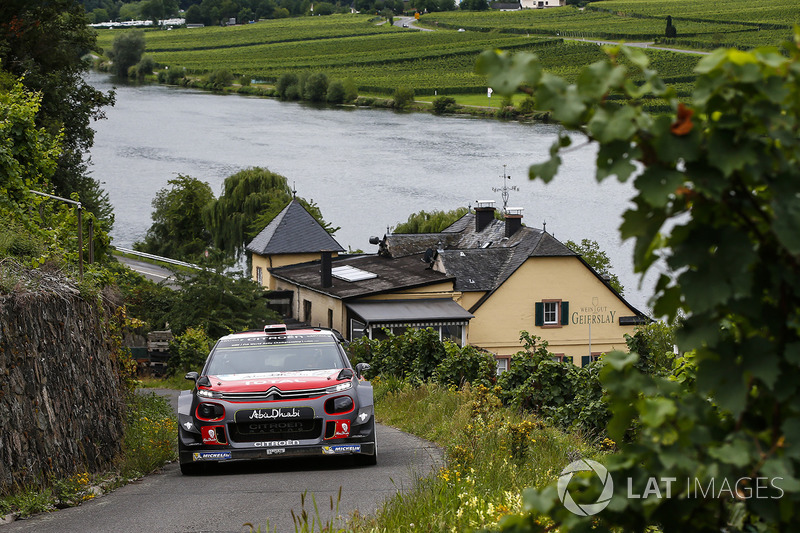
(379, 58)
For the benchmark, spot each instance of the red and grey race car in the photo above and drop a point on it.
(276, 393)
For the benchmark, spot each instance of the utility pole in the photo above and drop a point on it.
(80, 228)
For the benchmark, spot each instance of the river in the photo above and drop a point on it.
(367, 169)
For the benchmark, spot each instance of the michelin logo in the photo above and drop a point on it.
(341, 448)
(211, 456)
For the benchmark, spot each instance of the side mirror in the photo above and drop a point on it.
(361, 368)
(192, 376)
(346, 373)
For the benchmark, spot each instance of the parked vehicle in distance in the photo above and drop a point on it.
(276, 393)
(405, 25)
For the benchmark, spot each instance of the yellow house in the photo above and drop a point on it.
(481, 281)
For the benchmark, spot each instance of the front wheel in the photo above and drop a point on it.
(369, 460)
(188, 468)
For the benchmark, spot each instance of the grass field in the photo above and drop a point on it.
(380, 58)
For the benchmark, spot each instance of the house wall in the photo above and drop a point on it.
(593, 317)
(274, 261)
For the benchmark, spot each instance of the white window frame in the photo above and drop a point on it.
(551, 308)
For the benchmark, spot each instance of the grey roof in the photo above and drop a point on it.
(409, 310)
(393, 274)
(293, 231)
(480, 260)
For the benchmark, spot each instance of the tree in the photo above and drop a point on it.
(717, 182)
(219, 303)
(403, 97)
(178, 230)
(127, 50)
(671, 32)
(433, 222)
(250, 200)
(336, 92)
(43, 44)
(316, 87)
(158, 10)
(28, 153)
(591, 253)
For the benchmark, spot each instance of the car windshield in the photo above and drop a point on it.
(257, 356)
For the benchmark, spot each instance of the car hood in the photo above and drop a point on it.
(285, 381)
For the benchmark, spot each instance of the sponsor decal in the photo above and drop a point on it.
(276, 413)
(188, 426)
(341, 448)
(362, 417)
(276, 443)
(211, 456)
(273, 427)
(213, 435)
(342, 429)
(275, 451)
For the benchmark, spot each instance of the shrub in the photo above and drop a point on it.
(284, 82)
(315, 87)
(219, 79)
(336, 92)
(444, 104)
(188, 351)
(403, 97)
(146, 65)
(466, 365)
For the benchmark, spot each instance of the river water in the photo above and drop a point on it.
(367, 169)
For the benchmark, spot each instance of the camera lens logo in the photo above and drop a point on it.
(585, 509)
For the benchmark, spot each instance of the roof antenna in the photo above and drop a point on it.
(505, 188)
(544, 226)
(294, 190)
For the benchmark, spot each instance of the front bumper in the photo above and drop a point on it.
(321, 434)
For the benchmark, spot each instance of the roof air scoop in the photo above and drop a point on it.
(275, 329)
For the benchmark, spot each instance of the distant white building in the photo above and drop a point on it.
(540, 4)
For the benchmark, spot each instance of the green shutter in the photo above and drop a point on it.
(539, 318)
(568, 359)
(564, 313)
(586, 359)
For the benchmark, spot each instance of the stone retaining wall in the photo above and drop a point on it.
(61, 402)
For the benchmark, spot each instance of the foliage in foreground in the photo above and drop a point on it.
(491, 454)
(717, 187)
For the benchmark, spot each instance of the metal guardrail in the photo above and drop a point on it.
(157, 258)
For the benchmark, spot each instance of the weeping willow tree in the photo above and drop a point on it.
(430, 222)
(250, 199)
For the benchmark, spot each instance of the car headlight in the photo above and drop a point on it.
(347, 385)
(210, 411)
(203, 393)
(339, 405)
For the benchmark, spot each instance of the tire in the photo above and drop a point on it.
(188, 468)
(369, 460)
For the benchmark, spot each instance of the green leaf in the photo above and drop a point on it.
(609, 125)
(711, 61)
(506, 73)
(654, 411)
(791, 434)
(658, 185)
(734, 453)
(616, 159)
(786, 223)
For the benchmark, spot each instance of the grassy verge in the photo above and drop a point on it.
(149, 442)
(492, 454)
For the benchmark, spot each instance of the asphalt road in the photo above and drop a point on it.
(261, 493)
(149, 270)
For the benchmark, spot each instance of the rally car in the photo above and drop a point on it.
(276, 393)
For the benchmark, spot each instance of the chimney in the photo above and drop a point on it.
(326, 277)
(513, 220)
(484, 214)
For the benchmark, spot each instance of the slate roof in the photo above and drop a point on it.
(393, 274)
(293, 231)
(480, 260)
